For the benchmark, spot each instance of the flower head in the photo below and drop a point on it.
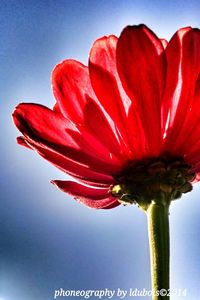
(128, 124)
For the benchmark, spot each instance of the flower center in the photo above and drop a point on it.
(154, 179)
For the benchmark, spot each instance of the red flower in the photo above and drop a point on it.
(139, 98)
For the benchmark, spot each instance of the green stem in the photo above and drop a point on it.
(158, 231)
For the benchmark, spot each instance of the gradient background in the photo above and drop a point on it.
(47, 240)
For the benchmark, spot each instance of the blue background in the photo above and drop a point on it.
(47, 240)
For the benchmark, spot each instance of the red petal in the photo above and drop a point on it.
(189, 145)
(164, 43)
(77, 190)
(196, 168)
(77, 170)
(197, 178)
(77, 101)
(22, 141)
(107, 85)
(193, 155)
(94, 198)
(108, 88)
(41, 123)
(180, 102)
(173, 78)
(141, 65)
(52, 130)
(103, 128)
(190, 137)
(71, 85)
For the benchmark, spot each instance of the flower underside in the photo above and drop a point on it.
(138, 97)
(154, 179)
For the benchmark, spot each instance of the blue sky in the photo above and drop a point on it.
(47, 240)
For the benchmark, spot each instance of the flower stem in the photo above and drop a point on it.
(158, 231)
